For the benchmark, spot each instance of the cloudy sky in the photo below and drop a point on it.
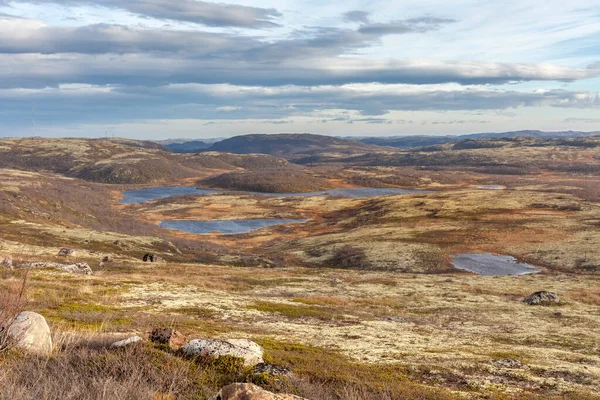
(188, 68)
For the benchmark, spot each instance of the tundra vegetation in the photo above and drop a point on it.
(361, 302)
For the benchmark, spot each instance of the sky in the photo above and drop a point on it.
(157, 69)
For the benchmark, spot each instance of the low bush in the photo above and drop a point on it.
(349, 257)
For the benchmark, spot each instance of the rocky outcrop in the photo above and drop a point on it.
(65, 252)
(251, 352)
(76, 268)
(149, 257)
(248, 391)
(126, 342)
(508, 363)
(28, 332)
(170, 337)
(270, 369)
(542, 298)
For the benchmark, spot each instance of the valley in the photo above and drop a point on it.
(359, 298)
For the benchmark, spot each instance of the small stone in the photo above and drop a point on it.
(508, 363)
(248, 391)
(106, 259)
(149, 257)
(174, 339)
(126, 342)
(542, 298)
(65, 252)
(265, 368)
(8, 263)
(393, 319)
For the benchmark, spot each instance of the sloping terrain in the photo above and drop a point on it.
(429, 140)
(361, 302)
(268, 181)
(120, 161)
(291, 146)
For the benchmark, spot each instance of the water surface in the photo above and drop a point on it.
(492, 265)
(231, 227)
(161, 192)
(490, 187)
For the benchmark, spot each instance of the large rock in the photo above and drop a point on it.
(542, 298)
(251, 352)
(29, 332)
(76, 268)
(248, 391)
(170, 337)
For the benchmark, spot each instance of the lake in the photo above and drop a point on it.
(162, 192)
(492, 265)
(159, 192)
(231, 227)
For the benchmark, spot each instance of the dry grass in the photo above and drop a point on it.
(404, 326)
(13, 299)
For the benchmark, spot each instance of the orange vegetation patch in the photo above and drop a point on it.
(586, 295)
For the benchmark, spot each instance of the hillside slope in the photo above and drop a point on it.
(291, 146)
(121, 161)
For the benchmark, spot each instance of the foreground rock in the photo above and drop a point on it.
(251, 352)
(76, 268)
(542, 298)
(28, 332)
(248, 391)
(126, 342)
(170, 337)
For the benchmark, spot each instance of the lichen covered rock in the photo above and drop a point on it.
(251, 352)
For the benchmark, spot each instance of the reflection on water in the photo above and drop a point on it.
(161, 192)
(227, 227)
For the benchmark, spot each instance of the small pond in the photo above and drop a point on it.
(492, 265)
(162, 192)
(490, 187)
(231, 227)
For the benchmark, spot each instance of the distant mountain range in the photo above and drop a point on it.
(291, 146)
(302, 144)
(428, 140)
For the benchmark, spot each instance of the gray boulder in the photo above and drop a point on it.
(248, 391)
(8, 262)
(126, 342)
(251, 352)
(542, 298)
(28, 332)
(65, 252)
(270, 369)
